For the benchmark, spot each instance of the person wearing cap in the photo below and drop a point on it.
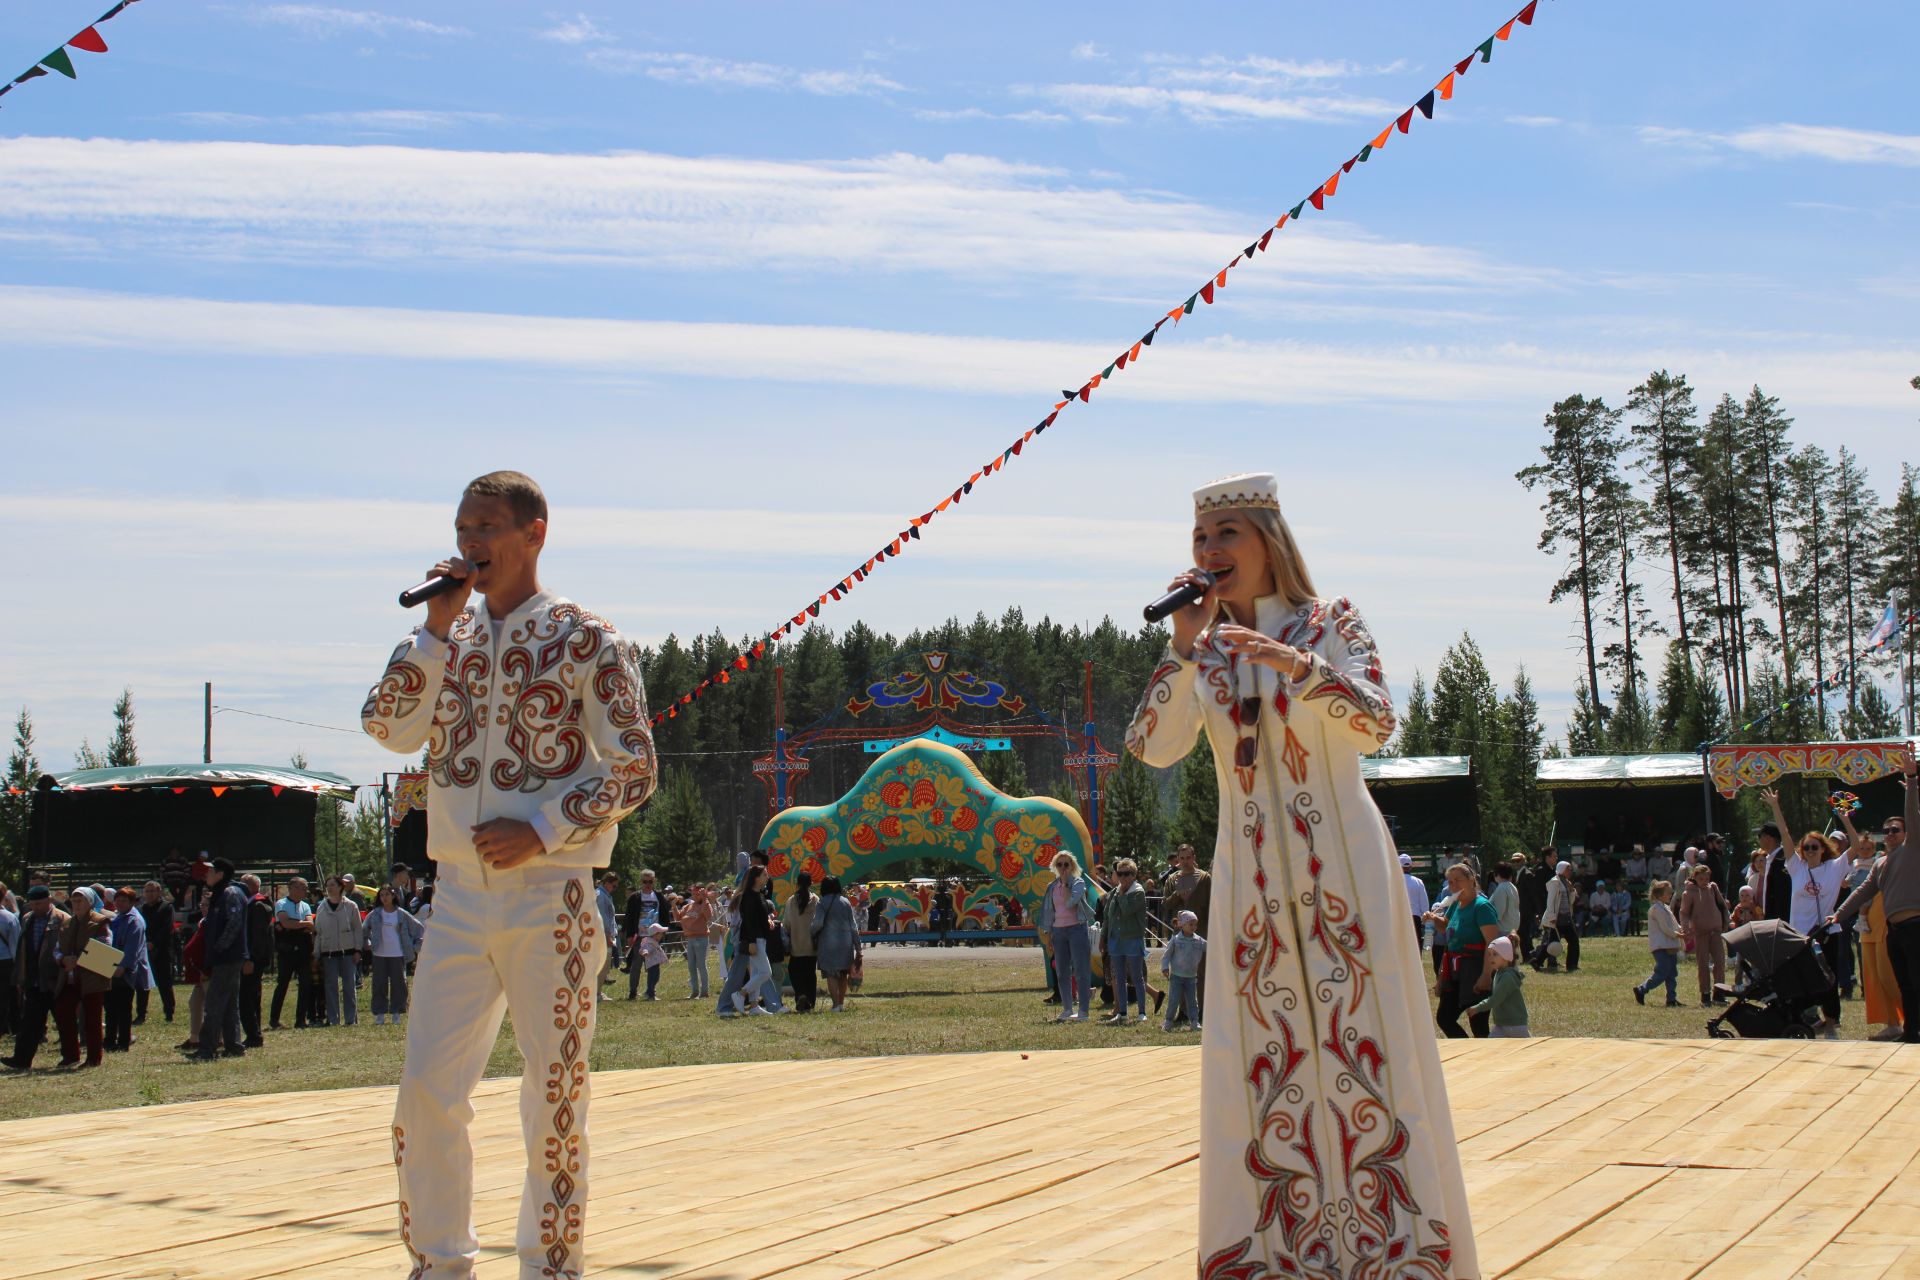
(1531, 879)
(1182, 965)
(35, 973)
(1417, 898)
(226, 960)
(128, 934)
(1288, 688)
(1504, 1007)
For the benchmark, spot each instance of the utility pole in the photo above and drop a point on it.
(206, 750)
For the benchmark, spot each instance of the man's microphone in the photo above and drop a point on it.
(1180, 597)
(438, 585)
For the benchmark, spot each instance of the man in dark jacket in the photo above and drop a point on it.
(259, 953)
(226, 922)
(1531, 881)
(34, 973)
(157, 911)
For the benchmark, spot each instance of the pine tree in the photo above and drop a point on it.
(1810, 586)
(1467, 722)
(1899, 573)
(1666, 439)
(1196, 812)
(1586, 731)
(1582, 463)
(1003, 770)
(121, 749)
(1131, 822)
(1726, 500)
(1529, 807)
(675, 836)
(87, 758)
(1625, 600)
(1630, 727)
(1416, 723)
(1855, 523)
(1767, 455)
(16, 805)
(1873, 714)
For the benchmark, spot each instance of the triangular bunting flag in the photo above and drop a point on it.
(59, 61)
(1146, 339)
(1135, 353)
(835, 593)
(1318, 199)
(1069, 394)
(1031, 432)
(1187, 307)
(276, 791)
(1120, 362)
(1460, 67)
(1485, 49)
(31, 73)
(1018, 445)
(1250, 250)
(1381, 141)
(1206, 292)
(916, 535)
(113, 12)
(218, 792)
(1293, 212)
(1426, 105)
(1404, 121)
(1267, 237)
(90, 41)
(1525, 16)
(893, 548)
(1351, 161)
(1504, 33)
(1446, 88)
(1061, 405)
(1331, 185)
(944, 504)
(813, 610)
(1221, 279)
(1364, 153)
(1108, 372)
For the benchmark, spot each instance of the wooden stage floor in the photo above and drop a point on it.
(1584, 1158)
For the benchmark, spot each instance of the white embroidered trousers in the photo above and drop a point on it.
(526, 941)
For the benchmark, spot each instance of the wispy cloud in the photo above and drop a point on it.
(1797, 142)
(699, 69)
(322, 21)
(1210, 370)
(958, 216)
(579, 29)
(378, 123)
(1536, 122)
(1088, 51)
(1215, 89)
(965, 114)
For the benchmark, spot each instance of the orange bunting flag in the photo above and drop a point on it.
(1331, 185)
(1221, 279)
(1504, 33)
(944, 504)
(1135, 353)
(1028, 436)
(1059, 406)
(219, 791)
(1381, 141)
(1446, 88)
(1525, 16)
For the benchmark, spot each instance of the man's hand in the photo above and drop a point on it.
(443, 609)
(505, 843)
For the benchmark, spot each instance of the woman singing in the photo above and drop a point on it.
(1326, 1144)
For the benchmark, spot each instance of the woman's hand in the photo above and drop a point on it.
(1191, 620)
(1262, 650)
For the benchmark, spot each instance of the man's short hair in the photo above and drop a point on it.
(521, 494)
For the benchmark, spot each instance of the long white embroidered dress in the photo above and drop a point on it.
(1326, 1146)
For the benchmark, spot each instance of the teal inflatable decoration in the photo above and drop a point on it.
(925, 800)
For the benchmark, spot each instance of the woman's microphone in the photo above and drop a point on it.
(1180, 597)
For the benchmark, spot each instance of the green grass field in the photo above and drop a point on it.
(916, 1000)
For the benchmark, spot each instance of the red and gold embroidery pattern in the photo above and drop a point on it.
(563, 1218)
(420, 1265)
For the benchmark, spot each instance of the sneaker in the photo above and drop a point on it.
(1140, 1017)
(653, 997)
(1061, 1017)
(1076, 1017)
(757, 1012)
(1113, 1019)
(1051, 1000)
(1195, 1028)
(1640, 994)
(379, 1019)
(1166, 1026)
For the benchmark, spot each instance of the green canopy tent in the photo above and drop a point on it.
(1429, 802)
(118, 824)
(1614, 802)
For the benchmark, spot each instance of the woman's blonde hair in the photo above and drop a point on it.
(1659, 889)
(1291, 580)
(1071, 861)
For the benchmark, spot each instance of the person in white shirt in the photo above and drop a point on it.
(538, 742)
(1417, 897)
(393, 935)
(1817, 872)
(1505, 898)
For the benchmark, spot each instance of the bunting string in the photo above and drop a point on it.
(88, 39)
(1128, 356)
(1889, 629)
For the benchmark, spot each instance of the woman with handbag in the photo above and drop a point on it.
(1704, 918)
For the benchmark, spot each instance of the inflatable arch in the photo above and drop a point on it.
(925, 800)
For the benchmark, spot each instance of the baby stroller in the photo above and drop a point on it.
(1786, 978)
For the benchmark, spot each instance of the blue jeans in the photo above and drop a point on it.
(1128, 973)
(1666, 968)
(697, 965)
(735, 980)
(1073, 963)
(1183, 1000)
(389, 985)
(341, 975)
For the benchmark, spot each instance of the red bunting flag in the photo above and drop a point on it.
(1405, 120)
(1525, 16)
(89, 40)
(276, 791)
(1206, 293)
(1460, 67)
(1318, 199)
(1263, 248)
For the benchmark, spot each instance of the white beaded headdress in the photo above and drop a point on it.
(1256, 489)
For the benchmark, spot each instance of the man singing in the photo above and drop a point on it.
(538, 742)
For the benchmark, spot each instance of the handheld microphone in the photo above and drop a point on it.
(438, 585)
(1180, 597)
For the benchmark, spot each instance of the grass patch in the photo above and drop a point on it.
(916, 1000)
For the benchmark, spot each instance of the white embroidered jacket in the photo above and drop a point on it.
(552, 729)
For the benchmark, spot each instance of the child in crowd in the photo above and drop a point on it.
(1663, 939)
(1186, 952)
(1748, 911)
(653, 955)
(1504, 1002)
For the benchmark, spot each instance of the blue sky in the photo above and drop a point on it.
(746, 285)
